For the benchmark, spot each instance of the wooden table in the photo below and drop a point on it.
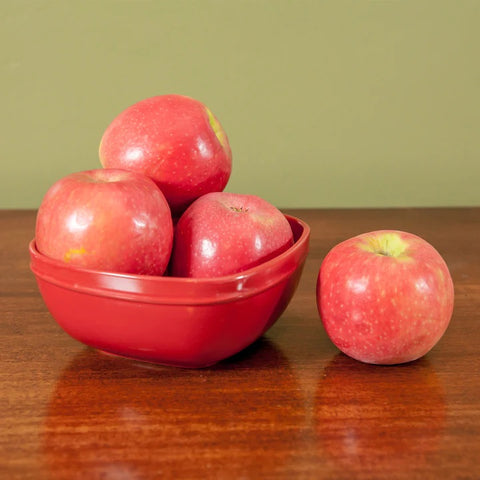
(290, 406)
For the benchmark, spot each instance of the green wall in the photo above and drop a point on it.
(326, 103)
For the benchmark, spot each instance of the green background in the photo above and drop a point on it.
(326, 103)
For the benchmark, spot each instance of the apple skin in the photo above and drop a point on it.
(385, 297)
(176, 141)
(106, 219)
(225, 233)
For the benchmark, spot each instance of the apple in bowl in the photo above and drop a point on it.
(175, 140)
(225, 233)
(107, 220)
(385, 297)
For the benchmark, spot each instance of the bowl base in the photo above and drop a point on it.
(152, 363)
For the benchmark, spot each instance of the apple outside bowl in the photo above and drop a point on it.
(184, 322)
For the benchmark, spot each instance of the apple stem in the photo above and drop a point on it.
(239, 209)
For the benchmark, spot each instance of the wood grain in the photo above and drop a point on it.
(290, 406)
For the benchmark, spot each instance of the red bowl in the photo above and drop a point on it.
(187, 322)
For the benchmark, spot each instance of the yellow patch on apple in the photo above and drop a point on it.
(74, 252)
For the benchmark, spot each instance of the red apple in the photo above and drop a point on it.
(385, 297)
(176, 141)
(223, 233)
(106, 219)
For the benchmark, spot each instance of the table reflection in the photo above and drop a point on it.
(110, 417)
(378, 418)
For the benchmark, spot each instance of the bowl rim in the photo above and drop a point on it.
(177, 290)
